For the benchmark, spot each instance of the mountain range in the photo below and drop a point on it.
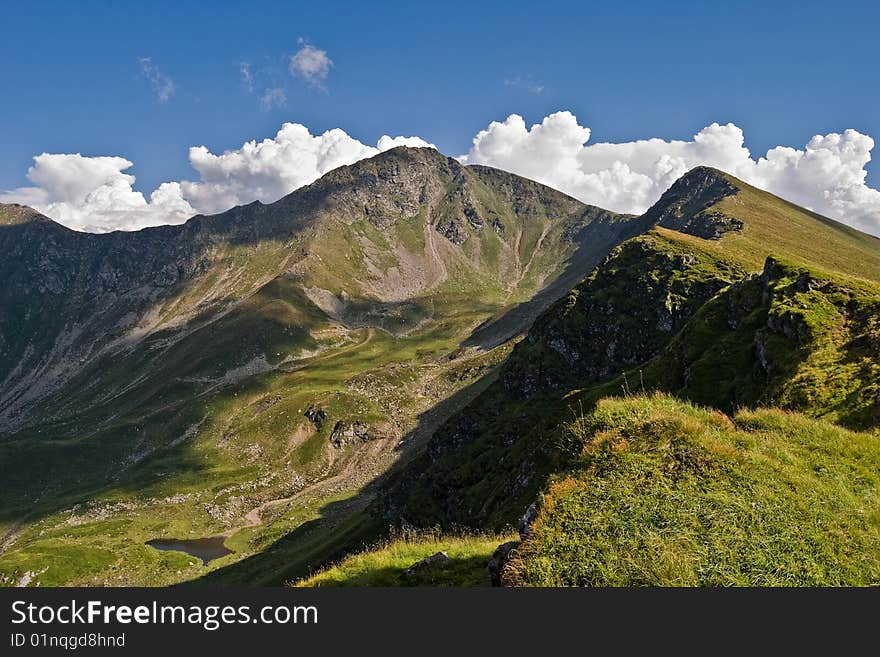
(413, 343)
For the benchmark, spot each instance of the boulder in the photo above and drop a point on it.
(316, 416)
(498, 560)
(438, 558)
(346, 433)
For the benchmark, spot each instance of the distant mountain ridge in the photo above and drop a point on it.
(72, 296)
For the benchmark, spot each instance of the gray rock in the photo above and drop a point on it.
(346, 433)
(435, 559)
(526, 522)
(498, 560)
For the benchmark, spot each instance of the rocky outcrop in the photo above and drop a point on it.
(622, 315)
(685, 206)
(783, 337)
(709, 224)
(499, 560)
(350, 432)
(347, 433)
(501, 556)
(527, 521)
(423, 568)
(317, 416)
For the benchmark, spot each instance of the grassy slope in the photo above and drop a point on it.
(248, 448)
(665, 493)
(384, 565)
(773, 226)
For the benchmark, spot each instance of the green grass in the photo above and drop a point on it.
(369, 382)
(411, 232)
(240, 455)
(773, 226)
(666, 494)
(384, 565)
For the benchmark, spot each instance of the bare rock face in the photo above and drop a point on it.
(383, 189)
(709, 224)
(452, 230)
(685, 206)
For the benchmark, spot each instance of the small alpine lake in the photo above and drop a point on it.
(207, 549)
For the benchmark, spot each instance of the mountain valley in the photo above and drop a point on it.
(415, 344)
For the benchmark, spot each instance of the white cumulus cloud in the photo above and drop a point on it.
(827, 175)
(269, 169)
(94, 194)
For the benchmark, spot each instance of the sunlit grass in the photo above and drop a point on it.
(668, 494)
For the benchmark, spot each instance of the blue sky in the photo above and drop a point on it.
(72, 81)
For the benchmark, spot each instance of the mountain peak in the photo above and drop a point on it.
(407, 156)
(13, 214)
(686, 206)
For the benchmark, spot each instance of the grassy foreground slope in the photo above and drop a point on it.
(665, 493)
(386, 565)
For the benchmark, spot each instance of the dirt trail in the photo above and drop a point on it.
(299, 364)
(300, 435)
(364, 461)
